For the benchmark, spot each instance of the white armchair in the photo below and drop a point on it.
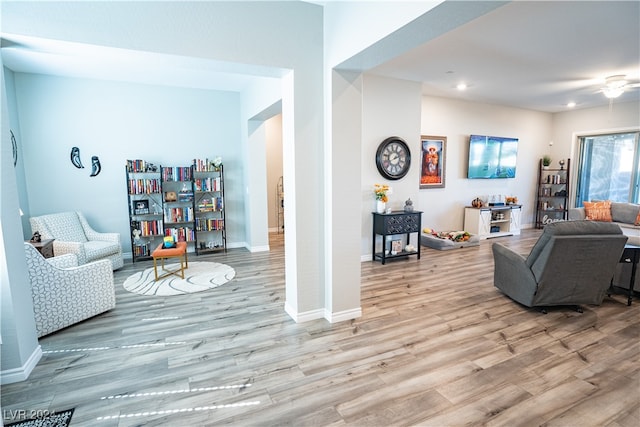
(65, 293)
(74, 235)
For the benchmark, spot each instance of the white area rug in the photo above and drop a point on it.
(198, 277)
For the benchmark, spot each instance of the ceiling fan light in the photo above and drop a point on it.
(612, 92)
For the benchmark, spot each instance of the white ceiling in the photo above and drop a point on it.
(40, 56)
(536, 55)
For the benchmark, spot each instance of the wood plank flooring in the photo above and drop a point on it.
(437, 345)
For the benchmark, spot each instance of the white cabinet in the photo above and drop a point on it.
(493, 221)
(514, 226)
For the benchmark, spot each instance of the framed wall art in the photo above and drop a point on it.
(432, 161)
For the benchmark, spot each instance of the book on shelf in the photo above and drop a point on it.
(205, 165)
(140, 166)
(181, 214)
(209, 224)
(176, 173)
(207, 184)
(181, 234)
(144, 186)
(141, 249)
(210, 205)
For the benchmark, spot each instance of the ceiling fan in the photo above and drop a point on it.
(614, 86)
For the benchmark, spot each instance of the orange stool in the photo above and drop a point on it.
(180, 251)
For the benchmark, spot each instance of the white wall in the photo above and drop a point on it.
(621, 116)
(19, 349)
(352, 26)
(456, 119)
(390, 108)
(120, 121)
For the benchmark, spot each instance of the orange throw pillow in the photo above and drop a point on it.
(598, 211)
(638, 219)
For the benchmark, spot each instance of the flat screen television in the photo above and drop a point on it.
(492, 157)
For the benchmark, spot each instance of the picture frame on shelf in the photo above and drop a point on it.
(141, 207)
(432, 161)
(396, 246)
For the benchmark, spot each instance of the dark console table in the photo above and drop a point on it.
(396, 222)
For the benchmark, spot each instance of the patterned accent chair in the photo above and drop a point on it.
(572, 263)
(65, 293)
(74, 235)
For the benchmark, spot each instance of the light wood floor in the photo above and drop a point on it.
(437, 345)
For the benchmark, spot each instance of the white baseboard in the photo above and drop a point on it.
(303, 317)
(264, 248)
(322, 314)
(15, 375)
(234, 245)
(341, 316)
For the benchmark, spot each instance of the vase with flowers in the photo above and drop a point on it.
(381, 191)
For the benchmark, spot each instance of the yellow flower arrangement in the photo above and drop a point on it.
(380, 191)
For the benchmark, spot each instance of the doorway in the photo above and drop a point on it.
(275, 186)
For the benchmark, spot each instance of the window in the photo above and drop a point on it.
(609, 168)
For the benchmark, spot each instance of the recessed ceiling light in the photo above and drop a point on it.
(571, 104)
(461, 86)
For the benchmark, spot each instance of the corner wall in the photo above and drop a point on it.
(119, 121)
(19, 349)
(390, 108)
(570, 125)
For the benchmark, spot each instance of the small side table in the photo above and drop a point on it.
(45, 247)
(630, 255)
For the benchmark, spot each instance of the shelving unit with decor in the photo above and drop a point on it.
(208, 185)
(178, 197)
(553, 194)
(144, 196)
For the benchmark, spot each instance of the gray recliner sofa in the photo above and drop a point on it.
(572, 263)
(624, 215)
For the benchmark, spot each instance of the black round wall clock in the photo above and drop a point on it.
(393, 158)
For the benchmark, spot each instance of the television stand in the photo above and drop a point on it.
(493, 221)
